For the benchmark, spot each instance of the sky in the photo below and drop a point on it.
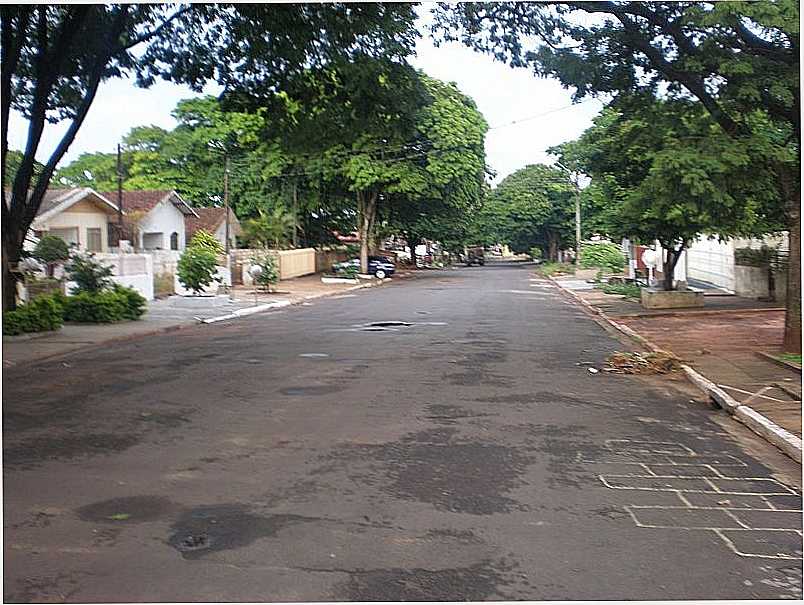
(526, 114)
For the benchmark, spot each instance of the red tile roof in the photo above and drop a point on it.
(137, 200)
(209, 219)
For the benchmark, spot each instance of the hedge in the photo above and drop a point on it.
(50, 312)
(105, 306)
(42, 314)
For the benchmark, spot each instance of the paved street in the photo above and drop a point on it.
(469, 454)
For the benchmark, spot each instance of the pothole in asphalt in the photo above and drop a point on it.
(208, 529)
(388, 324)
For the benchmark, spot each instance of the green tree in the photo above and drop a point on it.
(270, 228)
(674, 174)
(196, 268)
(54, 58)
(531, 208)
(734, 58)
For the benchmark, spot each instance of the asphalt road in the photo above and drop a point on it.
(471, 455)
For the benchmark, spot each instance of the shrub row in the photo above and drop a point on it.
(49, 312)
(40, 315)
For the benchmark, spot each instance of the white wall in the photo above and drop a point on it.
(713, 261)
(163, 218)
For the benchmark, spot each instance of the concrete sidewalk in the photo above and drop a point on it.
(723, 342)
(166, 315)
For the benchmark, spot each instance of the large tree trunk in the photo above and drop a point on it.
(11, 256)
(669, 266)
(412, 242)
(366, 211)
(792, 320)
(552, 245)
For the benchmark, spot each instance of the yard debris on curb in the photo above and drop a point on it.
(642, 363)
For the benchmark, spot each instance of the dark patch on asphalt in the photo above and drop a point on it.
(208, 529)
(166, 419)
(476, 378)
(453, 475)
(449, 414)
(62, 447)
(311, 390)
(476, 583)
(131, 509)
(464, 536)
(542, 397)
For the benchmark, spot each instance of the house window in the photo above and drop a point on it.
(94, 241)
(68, 234)
(174, 241)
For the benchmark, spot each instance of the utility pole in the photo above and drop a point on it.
(226, 210)
(577, 221)
(295, 214)
(119, 196)
(575, 182)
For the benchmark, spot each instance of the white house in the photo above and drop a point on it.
(213, 220)
(154, 219)
(80, 217)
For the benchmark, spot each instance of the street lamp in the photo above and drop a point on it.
(577, 211)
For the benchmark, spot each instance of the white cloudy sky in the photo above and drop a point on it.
(504, 95)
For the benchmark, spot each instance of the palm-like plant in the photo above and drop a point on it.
(274, 228)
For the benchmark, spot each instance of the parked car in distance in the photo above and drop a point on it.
(378, 266)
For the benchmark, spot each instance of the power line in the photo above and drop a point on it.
(538, 115)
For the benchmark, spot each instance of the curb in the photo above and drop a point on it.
(246, 311)
(759, 424)
(778, 362)
(115, 339)
(180, 326)
(699, 313)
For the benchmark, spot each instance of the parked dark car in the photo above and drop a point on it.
(378, 266)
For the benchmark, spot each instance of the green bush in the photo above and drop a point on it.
(627, 290)
(104, 307)
(134, 302)
(536, 253)
(204, 240)
(270, 272)
(548, 269)
(602, 255)
(196, 268)
(40, 315)
(89, 275)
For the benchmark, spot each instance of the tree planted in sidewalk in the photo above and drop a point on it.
(674, 174)
(733, 58)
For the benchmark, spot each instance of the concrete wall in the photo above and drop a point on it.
(295, 263)
(133, 270)
(751, 282)
(712, 261)
(81, 216)
(156, 227)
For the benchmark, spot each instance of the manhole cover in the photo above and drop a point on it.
(388, 324)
